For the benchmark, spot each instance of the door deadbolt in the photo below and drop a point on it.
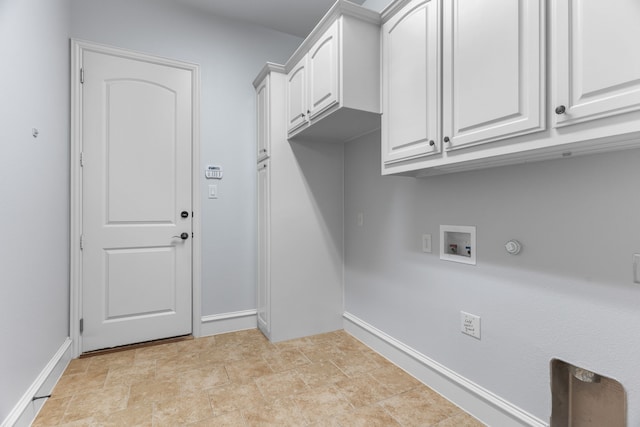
(184, 214)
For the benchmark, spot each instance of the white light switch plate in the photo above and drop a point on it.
(213, 191)
(426, 243)
(470, 324)
(636, 268)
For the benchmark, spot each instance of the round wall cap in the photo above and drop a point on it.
(513, 247)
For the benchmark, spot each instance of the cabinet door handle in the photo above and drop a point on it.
(432, 143)
(446, 139)
(561, 110)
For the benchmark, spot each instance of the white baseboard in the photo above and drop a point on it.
(228, 322)
(479, 402)
(26, 410)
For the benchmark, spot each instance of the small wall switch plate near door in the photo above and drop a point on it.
(470, 324)
(213, 191)
(426, 243)
(636, 268)
(360, 219)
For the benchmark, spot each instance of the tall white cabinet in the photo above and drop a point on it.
(300, 206)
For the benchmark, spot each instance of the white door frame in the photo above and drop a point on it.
(75, 225)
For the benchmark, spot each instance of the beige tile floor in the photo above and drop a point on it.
(241, 379)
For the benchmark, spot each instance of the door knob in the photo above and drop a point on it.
(432, 143)
(561, 109)
(184, 214)
(183, 236)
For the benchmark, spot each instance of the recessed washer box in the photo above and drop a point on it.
(458, 243)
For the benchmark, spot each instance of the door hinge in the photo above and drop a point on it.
(81, 160)
(81, 326)
(81, 75)
(81, 241)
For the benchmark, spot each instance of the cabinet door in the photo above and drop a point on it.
(493, 70)
(596, 59)
(297, 96)
(323, 72)
(262, 120)
(410, 85)
(264, 247)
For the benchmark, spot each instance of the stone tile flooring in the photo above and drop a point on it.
(241, 379)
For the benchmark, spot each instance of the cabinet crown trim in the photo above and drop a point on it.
(393, 8)
(269, 67)
(340, 8)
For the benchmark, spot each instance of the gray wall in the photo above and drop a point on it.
(34, 190)
(230, 55)
(569, 294)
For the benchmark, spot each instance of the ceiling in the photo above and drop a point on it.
(296, 17)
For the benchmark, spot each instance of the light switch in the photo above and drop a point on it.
(213, 191)
(636, 268)
(426, 243)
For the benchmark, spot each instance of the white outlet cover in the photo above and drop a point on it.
(426, 243)
(470, 324)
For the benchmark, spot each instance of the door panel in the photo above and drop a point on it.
(136, 143)
(493, 84)
(297, 96)
(130, 273)
(596, 62)
(323, 72)
(141, 120)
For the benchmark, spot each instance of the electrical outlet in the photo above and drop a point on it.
(426, 243)
(470, 324)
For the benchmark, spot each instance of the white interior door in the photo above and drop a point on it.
(136, 200)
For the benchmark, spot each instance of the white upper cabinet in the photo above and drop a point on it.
(490, 99)
(597, 59)
(459, 74)
(493, 70)
(333, 78)
(266, 104)
(323, 72)
(410, 82)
